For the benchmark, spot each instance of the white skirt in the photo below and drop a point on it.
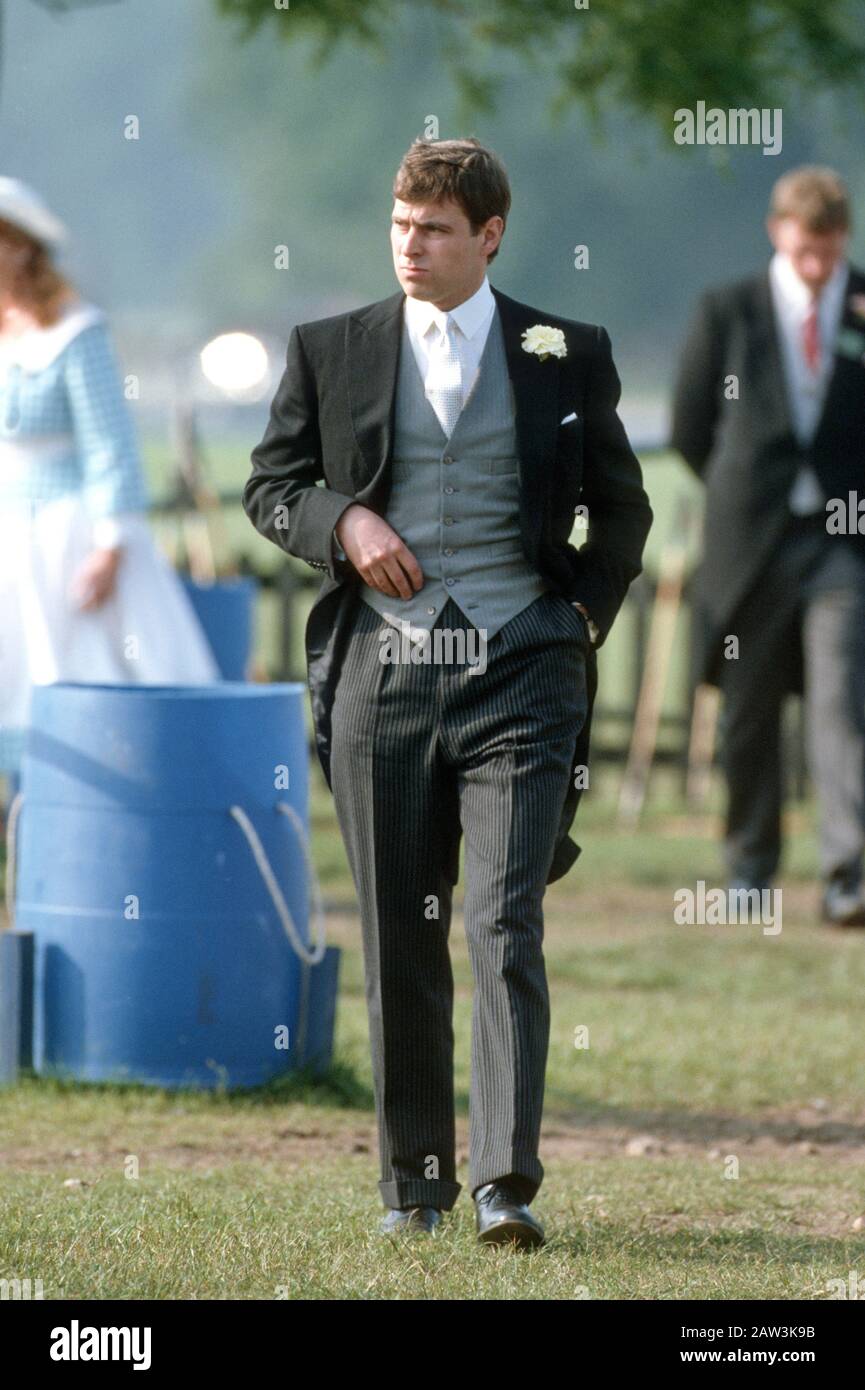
(146, 632)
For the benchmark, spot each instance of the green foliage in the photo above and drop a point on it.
(647, 57)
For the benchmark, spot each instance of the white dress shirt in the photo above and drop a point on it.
(473, 317)
(425, 323)
(806, 390)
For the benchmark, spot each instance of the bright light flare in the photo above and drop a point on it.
(235, 363)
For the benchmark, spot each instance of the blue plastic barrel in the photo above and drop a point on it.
(158, 954)
(16, 994)
(226, 612)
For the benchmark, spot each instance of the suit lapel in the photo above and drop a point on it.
(835, 387)
(371, 359)
(765, 345)
(373, 337)
(536, 389)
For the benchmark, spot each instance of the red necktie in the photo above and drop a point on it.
(811, 338)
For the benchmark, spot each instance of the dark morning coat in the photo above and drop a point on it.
(331, 423)
(746, 450)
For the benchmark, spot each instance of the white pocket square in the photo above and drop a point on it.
(568, 418)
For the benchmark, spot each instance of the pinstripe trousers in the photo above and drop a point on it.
(421, 755)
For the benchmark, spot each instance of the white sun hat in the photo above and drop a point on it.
(23, 206)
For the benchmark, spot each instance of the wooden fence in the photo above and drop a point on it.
(613, 723)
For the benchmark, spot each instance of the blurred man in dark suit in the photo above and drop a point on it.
(770, 412)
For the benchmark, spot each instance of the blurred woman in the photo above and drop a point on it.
(85, 594)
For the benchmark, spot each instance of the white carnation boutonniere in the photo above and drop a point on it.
(545, 341)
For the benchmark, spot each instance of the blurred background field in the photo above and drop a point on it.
(666, 479)
(708, 1143)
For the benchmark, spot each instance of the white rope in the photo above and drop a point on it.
(11, 855)
(298, 945)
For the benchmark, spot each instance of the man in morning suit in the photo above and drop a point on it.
(770, 413)
(454, 449)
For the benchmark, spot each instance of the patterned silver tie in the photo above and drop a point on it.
(444, 383)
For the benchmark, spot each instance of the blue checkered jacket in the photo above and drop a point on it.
(79, 393)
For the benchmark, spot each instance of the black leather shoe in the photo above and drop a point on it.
(502, 1219)
(748, 885)
(410, 1219)
(843, 902)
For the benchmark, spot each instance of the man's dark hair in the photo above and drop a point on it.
(462, 170)
(816, 196)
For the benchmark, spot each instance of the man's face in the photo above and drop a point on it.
(435, 255)
(814, 254)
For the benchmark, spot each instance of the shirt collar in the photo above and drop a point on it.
(470, 316)
(37, 348)
(797, 294)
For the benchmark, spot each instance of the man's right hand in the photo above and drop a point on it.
(380, 556)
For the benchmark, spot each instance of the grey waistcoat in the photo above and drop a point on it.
(455, 501)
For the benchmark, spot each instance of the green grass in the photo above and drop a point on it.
(711, 1050)
(706, 1045)
(259, 1231)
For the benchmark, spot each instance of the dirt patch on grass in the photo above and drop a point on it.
(802, 1130)
(775, 1135)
